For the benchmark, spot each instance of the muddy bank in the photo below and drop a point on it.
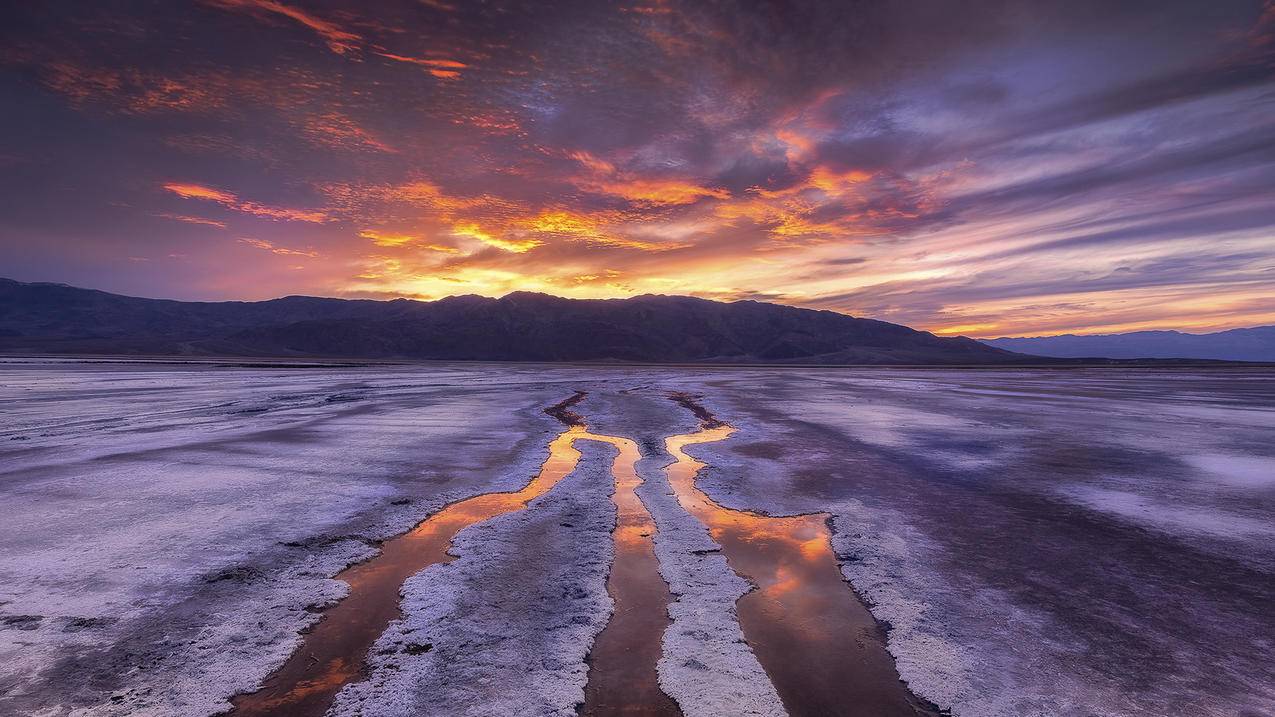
(692, 403)
(563, 413)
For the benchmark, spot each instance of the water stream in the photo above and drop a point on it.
(622, 675)
(821, 647)
(332, 654)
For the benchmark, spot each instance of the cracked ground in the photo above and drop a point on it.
(1000, 542)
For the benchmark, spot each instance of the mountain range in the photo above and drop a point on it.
(1255, 344)
(522, 326)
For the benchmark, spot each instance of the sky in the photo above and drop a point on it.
(983, 168)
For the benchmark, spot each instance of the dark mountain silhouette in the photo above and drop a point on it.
(54, 318)
(1255, 344)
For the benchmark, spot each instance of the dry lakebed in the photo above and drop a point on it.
(219, 538)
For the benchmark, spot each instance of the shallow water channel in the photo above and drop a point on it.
(821, 647)
(818, 643)
(332, 654)
(622, 674)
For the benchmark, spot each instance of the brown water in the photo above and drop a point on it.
(332, 655)
(622, 676)
(823, 650)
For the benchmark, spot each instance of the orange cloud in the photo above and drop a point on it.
(605, 178)
(562, 222)
(134, 92)
(506, 224)
(388, 239)
(445, 69)
(80, 83)
(607, 275)
(192, 220)
(587, 227)
(473, 231)
(334, 129)
(798, 144)
(338, 40)
(428, 194)
(231, 201)
(597, 164)
(196, 191)
(830, 203)
(273, 249)
(408, 201)
(655, 191)
(494, 122)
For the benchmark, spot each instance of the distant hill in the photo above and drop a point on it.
(54, 318)
(1255, 344)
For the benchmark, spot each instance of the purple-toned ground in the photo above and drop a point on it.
(1039, 542)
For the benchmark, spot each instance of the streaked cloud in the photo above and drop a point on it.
(232, 201)
(470, 230)
(338, 40)
(273, 249)
(188, 219)
(967, 168)
(335, 130)
(441, 68)
(393, 239)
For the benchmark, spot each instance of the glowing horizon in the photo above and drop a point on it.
(967, 170)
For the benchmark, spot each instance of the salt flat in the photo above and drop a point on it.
(1051, 542)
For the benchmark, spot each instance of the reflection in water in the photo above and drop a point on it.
(622, 674)
(821, 647)
(332, 654)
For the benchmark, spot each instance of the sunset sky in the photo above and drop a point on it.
(985, 168)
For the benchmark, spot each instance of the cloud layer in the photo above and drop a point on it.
(987, 168)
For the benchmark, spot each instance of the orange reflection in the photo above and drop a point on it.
(332, 654)
(822, 649)
(622, 674)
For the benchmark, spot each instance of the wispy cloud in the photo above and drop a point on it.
(232, 201)
(338, 39)
(396, 239)
(441, 68)
(188, 219)
(338, 131)
(954, 167)
(273, 249)
(470, 230)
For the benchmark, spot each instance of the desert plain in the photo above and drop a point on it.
(981, 542)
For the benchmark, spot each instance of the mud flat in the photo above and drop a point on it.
(1033, 542)
(173, 529)
(1039, 542)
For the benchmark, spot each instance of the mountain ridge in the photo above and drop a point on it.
(520, 326)
(1256, 343)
